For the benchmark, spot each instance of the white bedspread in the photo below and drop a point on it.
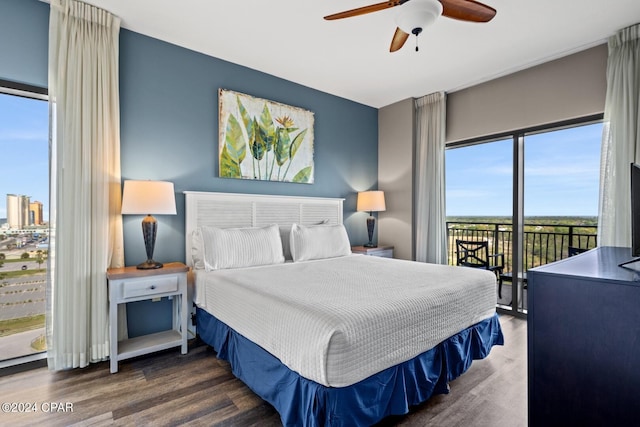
(338, 321)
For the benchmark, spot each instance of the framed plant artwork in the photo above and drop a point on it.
(264, 140)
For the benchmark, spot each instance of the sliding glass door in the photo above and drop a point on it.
(480, 205)
(531, 195)
(561, 184)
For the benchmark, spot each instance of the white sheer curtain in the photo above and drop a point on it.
(431, 228)
(85, 181)
(621, 137)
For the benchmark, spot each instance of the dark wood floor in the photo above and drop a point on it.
(198, 389)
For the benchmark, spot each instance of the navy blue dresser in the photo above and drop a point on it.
(584, 341)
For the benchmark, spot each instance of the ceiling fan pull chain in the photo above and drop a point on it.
(416, 31)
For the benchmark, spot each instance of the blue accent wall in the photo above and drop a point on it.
(169, 130)
(24, 39)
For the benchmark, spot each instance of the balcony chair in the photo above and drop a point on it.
(476, 254)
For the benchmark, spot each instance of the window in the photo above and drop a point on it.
(24, 215)
(532, 194)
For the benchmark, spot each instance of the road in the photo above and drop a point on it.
(17, 345)
(15, 266)
(22, 296)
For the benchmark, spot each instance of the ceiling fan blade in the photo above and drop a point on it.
(365, 9)
(467, 10)
(399, 38)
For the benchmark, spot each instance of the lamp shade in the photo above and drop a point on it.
(418, 14)
(372, 201)
(148, 197)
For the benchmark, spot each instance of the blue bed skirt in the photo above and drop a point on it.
(302, 402)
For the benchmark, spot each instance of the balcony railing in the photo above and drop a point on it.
(543, 243)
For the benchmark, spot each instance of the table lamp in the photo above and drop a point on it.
(371, 201)
(148, 198)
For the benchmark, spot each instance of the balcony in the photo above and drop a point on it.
(544, 242)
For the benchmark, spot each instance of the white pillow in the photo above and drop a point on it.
(318, 242)
(197, 249)
(285, 236)
(241, 247)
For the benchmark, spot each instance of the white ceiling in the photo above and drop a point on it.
(350, 57)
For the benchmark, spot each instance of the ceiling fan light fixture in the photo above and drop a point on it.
(418, 14)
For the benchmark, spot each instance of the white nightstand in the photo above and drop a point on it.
(385, 251)
(129, 284)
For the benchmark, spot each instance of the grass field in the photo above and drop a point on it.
(563, 221)
(13, 326)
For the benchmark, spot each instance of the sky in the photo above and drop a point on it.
(24, 150)
(562, 172)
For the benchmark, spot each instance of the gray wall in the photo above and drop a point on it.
(567, 88)
(169, 130)
(395, 176)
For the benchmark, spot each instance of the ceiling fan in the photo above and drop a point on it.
(417, 14)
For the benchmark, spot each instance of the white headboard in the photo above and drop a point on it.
(225, 210)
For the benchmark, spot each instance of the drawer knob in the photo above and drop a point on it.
(152, 287)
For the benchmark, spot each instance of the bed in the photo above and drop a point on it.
(325, 336)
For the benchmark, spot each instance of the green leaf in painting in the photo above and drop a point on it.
(297, 141)
(266, 128)
(258, 147)
(303, 175)
(282, 146)
(248, 122)
(244, 114)
(251, 133)
(234, 150)
(229, 167)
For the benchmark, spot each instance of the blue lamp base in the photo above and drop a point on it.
(149, 230)
(371, 223)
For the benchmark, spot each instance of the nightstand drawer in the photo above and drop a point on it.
(151, 286)
(384, 251)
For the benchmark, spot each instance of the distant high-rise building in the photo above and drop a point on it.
(35, 213)
(18, 211)
(13, 211)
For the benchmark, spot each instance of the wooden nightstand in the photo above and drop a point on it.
(129, 284)
(385, 251)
